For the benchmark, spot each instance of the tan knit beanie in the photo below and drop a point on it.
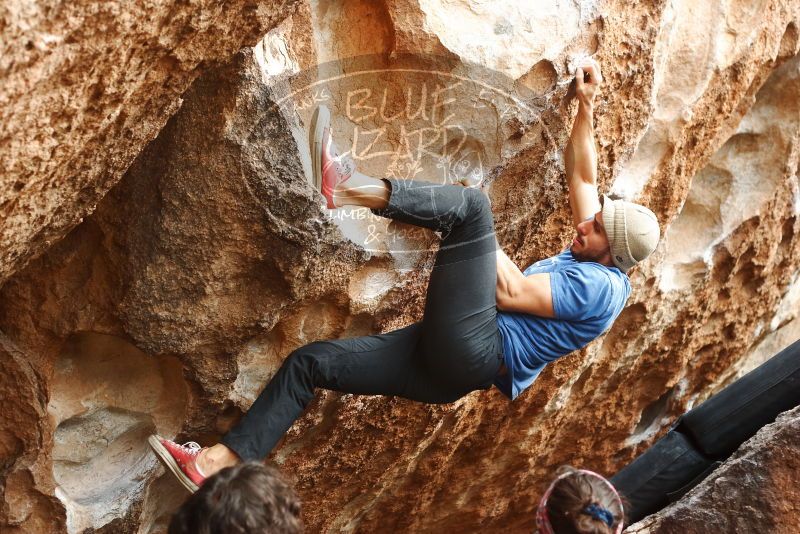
(632, 230)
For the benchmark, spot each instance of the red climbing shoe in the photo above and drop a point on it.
(180, 459)
(328, 167)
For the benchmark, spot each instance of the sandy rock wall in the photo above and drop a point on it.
(224, 263)
(211, 260)
(755, 490)
(85, 87)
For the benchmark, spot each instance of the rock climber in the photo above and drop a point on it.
(485, 322)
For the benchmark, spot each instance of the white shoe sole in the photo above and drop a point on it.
(169, 462)
(319, 121)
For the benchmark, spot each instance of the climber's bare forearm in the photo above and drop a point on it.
(580, 162)
(580, 155)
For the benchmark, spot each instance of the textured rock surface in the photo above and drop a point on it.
(85, 87)
(755, 490)
(212, 252)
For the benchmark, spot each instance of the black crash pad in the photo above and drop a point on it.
(725, 421)
(659, 475)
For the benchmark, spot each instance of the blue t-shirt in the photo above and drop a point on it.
(587, 297)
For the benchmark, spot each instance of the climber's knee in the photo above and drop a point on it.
(478, 207)
(304, 362)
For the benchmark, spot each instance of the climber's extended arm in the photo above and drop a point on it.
(580, 156)
(519, 293)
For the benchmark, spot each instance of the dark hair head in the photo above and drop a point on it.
(576, 501)
(248, 498)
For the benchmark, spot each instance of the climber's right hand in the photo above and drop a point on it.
(587, 81)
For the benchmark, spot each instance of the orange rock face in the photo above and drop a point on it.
(210, 260)
(85, 88)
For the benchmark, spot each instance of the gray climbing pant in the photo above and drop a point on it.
(455, 349)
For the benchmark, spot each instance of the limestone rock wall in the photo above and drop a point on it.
(85, 87)
(211, 260)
